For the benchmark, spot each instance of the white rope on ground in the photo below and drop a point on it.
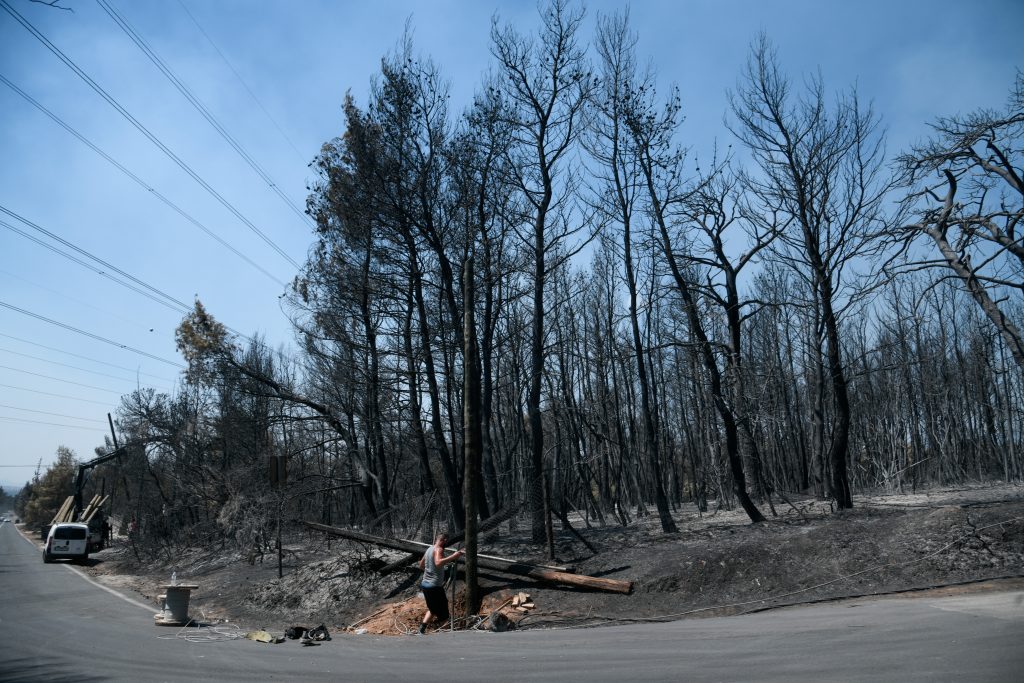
(476, 620)
(198, 632)
(415, 632)
(362, 621)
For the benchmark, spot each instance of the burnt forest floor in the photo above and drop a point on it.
(949, 540)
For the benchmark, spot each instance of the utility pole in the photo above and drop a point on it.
(473, 436)
(113, 434)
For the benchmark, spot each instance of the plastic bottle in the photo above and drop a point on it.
(174, 578)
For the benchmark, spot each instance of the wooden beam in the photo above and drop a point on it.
(59, 517)
(489, 524)
(555, 568)
(85, 513)
(95, 509)
(506, 566)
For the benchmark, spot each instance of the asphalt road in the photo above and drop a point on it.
(57, 626)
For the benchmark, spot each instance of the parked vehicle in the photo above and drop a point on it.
(96, 535)
(69, 540)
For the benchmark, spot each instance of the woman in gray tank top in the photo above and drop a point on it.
(432, 583)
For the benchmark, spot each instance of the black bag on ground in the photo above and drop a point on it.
(319, 633)
(296, 632)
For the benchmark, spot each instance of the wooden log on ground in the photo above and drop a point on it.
(506, 566)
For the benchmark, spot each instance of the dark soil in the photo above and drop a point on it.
(718, 564)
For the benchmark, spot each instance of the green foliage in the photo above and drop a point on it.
(21, 498)
(45, 493)
(203, 342)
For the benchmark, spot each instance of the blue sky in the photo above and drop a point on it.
(914, 60)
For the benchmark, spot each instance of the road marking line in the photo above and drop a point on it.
(1006, 606)
(148, 608)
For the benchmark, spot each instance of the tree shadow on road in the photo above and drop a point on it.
(28, 670)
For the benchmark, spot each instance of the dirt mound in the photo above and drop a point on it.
(404, 617)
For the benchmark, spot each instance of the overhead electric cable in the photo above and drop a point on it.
(101, 273)
(171, 302)
(90, 334)
(145, 131)
(79, 302)
(146, 186)
(242, 81)
(164, 295)
(68, 365)
(141, 43)
(48, 393)
(77, 355)
(59, 379)
(51, 424)
(46, 412)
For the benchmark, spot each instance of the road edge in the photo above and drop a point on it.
(75, 570)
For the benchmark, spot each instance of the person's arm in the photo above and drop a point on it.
(440, 560)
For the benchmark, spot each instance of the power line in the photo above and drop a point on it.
(146, 186)
(89, 334)
(173, 306)
(167, 300)
(58, 379)
(242, 81)
(44, 412)
(145, 285)
(51, 424)
(77, 301)
(48, 393)
(67, 365)
(145, 131)
(76, 355)
(141, 43)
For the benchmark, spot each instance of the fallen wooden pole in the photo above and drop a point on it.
(415, 556)
(506, 566)
(487, 525)
(567, 570)
(399, 564)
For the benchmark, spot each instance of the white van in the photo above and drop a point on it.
(67, 540)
